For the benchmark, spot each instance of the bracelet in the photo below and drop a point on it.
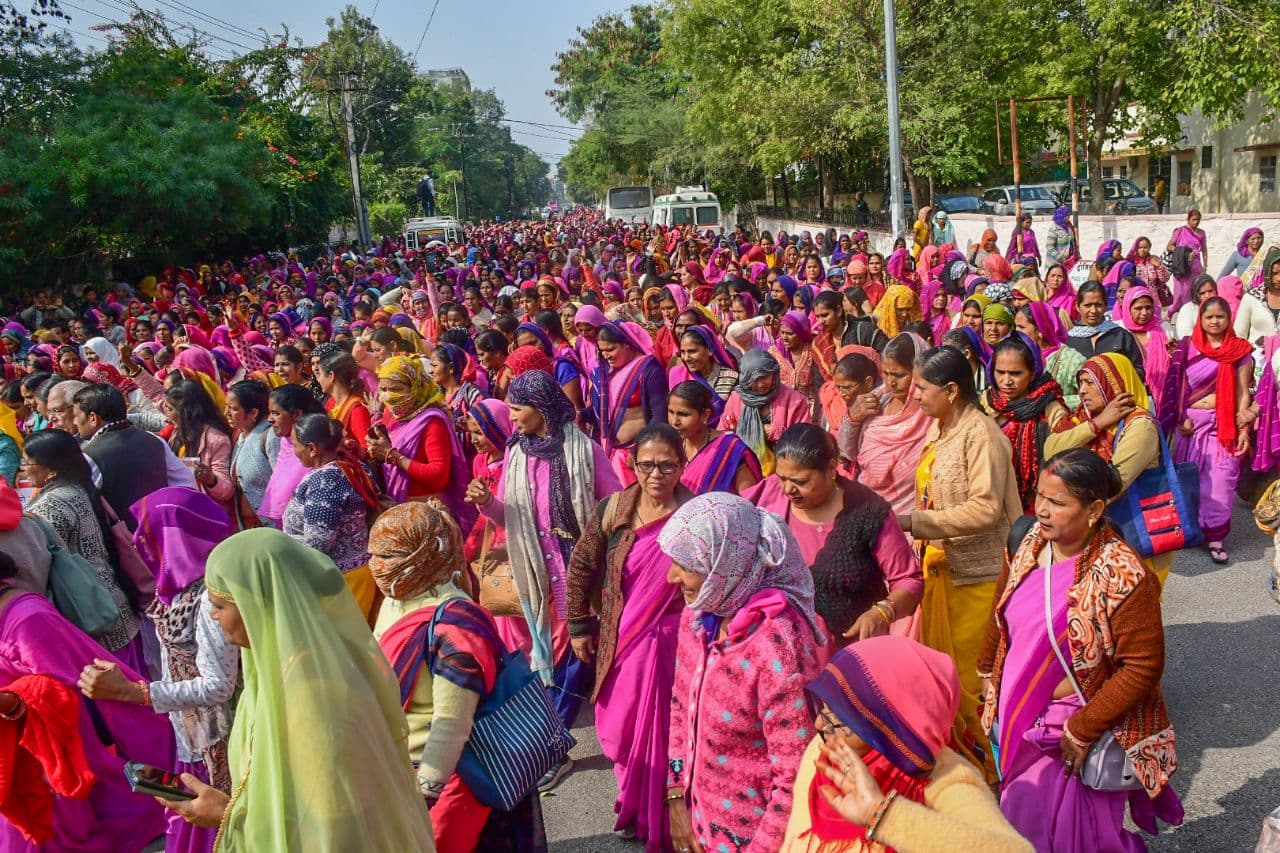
(19, 709)
(893, 611)
(674, 795)
(145, 687)
(881, 810)
(1097, 433)
(879, 608)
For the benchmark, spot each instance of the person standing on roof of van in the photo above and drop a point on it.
(427, 194)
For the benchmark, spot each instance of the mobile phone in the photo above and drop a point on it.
(145, 779)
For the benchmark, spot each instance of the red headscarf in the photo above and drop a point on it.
(1232, 350)
(527, 358)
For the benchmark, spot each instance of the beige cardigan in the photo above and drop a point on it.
(958, 813)
(975, 497)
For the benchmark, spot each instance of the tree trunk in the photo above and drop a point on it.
(1093, 162)
(786, 193)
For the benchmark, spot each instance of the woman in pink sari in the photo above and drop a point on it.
(105, 816)
(287, 404)
(761, 409)
(1192, 238)
(619, 563)
(633, 391)
(1050, 696)
(1140, 313)
(888, 436)
(718, 461)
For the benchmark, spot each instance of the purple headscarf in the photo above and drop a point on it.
(1242, 247)
(1062, 217)
(177, 528)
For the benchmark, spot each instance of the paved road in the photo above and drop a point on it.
(1220, 680)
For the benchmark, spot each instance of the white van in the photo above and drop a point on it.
(688, 206)
(420, 231)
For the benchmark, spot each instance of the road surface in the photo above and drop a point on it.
(1221, 678)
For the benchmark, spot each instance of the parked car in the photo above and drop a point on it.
(960, 203)
(908, 207)
(1123, 197)
(1036, 200)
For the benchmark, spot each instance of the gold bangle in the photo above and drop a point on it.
(145, 687)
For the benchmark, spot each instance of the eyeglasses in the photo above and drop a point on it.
(56, 410)
(666, 468)
(829, 727)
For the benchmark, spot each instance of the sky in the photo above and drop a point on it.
(505, 45)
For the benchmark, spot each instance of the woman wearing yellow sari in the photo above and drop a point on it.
(967, 497)
(318, 752)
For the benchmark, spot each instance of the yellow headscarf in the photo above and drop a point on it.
(423, 390)
(898, 296)
(411, 337)
(1030, 287)
(9, 424)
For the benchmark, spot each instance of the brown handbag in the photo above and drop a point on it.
(498, 593)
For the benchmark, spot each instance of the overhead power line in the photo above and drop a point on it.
(423, 38)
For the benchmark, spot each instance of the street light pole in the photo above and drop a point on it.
(895, 140)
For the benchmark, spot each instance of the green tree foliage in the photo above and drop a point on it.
(616, 77)
(149, 152)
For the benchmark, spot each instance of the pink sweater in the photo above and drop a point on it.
(739, 722)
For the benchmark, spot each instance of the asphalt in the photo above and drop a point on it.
(1221, 678)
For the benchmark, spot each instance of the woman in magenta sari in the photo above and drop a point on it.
(718, 461)
(1191, 237)
(552, 478)
(1048, 701)
(1216, 420)
(634, 391)
(109, 818)
(1061, 294)
(489, 427)
(618, 562)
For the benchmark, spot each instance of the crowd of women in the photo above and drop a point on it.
(829, 538)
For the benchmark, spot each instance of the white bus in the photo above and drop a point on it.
(630, 204)
(688, 206)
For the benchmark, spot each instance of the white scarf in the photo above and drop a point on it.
(528, 567)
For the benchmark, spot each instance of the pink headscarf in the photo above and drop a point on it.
(1049, 324)
(1231, 288)
(1156, 360)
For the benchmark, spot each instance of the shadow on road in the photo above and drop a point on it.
(1225, 701)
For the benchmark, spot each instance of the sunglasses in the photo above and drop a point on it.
(666, 468)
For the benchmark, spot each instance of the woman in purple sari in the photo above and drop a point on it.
(177, 529)
(1191, 237)
(1215, 417)
(1052, 696)
(718, 461)
(36, 640)
(619, 563)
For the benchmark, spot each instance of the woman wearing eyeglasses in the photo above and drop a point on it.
(880, 774)
(618, 563)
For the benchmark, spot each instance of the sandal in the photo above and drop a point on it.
(1218, 553)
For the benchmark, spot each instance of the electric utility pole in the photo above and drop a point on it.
(895, 138)
(353, 157)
